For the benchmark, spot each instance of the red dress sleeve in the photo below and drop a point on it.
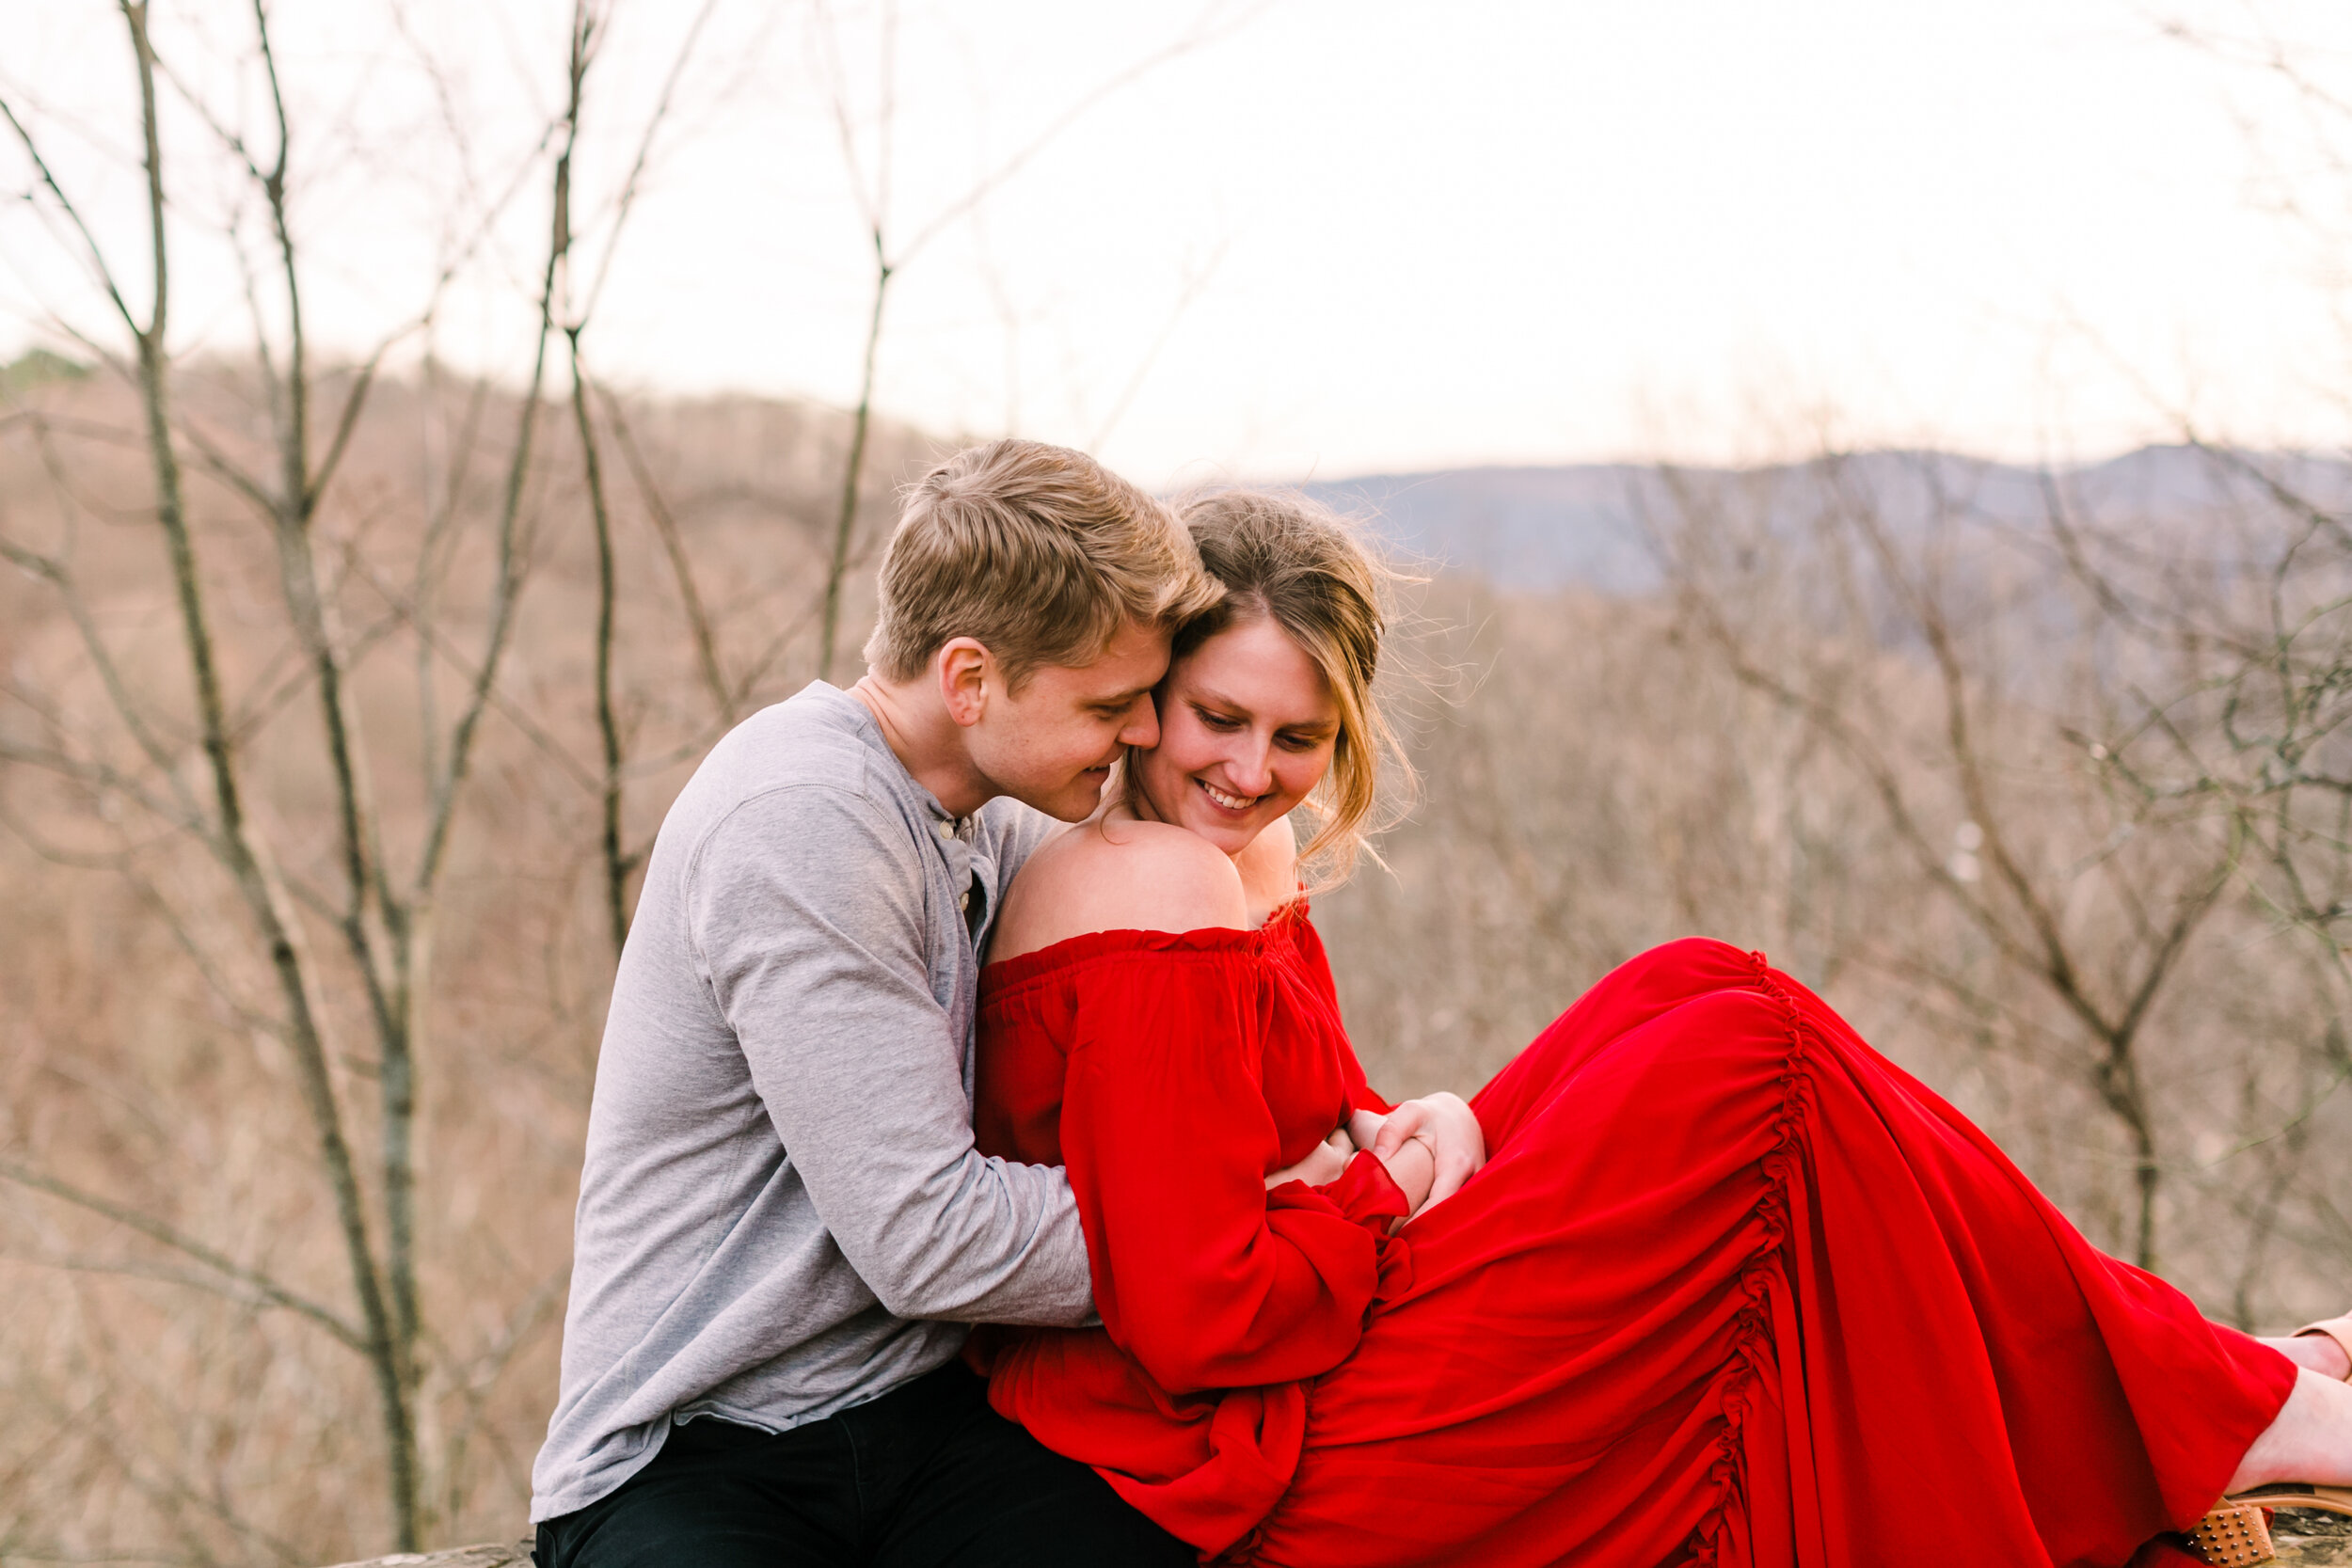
(1199, 1274)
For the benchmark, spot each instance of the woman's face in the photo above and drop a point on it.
(1248, 725)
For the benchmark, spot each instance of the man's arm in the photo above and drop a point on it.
(806, 907)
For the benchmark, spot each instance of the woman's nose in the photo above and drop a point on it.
(1252, 767)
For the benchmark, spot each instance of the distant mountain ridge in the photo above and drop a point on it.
(1538, 528)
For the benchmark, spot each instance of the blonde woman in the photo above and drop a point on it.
(1699, 1277)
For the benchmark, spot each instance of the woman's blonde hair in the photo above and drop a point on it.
(1292, 561)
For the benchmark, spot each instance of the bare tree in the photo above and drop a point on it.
(381, 912)
(1977, 821)
(871, 175)
(619, 862)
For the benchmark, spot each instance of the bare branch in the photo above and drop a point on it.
(507, 589)
(188, 1246)
(630, 187)
(127, 708)
(96, 256)
(512, 713)
(673, 546)
(241, 851)
(852, 471)
(213, 461)
(616, 865)
(1202, 34)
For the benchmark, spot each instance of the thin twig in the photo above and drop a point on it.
(156, 1230)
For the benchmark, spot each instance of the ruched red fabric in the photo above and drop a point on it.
(1732, 1289)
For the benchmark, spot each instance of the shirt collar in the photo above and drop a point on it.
(868, 729)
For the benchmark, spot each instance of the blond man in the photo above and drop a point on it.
(784, 1228)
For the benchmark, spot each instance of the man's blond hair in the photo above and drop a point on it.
(1040, 553)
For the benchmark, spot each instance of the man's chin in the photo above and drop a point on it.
(1074, 803)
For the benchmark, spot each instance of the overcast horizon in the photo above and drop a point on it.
(1320, 240)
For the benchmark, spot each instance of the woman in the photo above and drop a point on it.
(1726, 1286)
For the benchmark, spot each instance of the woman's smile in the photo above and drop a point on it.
(1238, 805)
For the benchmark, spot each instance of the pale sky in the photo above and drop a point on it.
(1338, 237)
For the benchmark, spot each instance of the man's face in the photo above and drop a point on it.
(1052, 744)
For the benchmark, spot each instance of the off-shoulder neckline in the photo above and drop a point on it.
(1003, 973)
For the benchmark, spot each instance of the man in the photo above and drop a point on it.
(784, 1227)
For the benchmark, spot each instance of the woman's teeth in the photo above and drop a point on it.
(1230, 802)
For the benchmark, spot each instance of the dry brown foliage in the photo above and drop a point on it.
(170, 1406)
(2009, 795)
(1764, 751)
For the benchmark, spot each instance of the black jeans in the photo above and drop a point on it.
(926, 1476)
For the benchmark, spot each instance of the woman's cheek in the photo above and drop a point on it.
(1317, 766)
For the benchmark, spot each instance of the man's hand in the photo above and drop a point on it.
(1325, 1162)
(1447, 1125)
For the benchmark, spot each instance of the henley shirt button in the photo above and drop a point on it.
(945, 830)
(964, 902)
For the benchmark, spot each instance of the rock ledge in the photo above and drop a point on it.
(2328, 1545)
(490, 1554)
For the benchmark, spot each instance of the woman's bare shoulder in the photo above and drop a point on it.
(1269, 869)
(1118, 875)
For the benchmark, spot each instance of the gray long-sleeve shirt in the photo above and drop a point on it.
(781, 1212)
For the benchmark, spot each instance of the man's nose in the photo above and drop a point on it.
(1143, 726)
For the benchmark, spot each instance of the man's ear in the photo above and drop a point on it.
(966, 677)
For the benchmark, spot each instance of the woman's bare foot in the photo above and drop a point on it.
(2311, 1439)
(2319, 1352)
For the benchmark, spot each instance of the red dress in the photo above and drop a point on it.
(1730, 1289)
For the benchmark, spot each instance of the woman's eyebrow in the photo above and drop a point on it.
(1207, 698)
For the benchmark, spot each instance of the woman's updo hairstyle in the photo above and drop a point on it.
(1292, 561)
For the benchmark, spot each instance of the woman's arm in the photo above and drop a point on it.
(1325, 1163)
(1413, 1164)
(1202, 1274)
(1204, 1277)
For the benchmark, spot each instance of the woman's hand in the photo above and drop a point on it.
(1413, 1166)
(1325, 1162)
(1447, 1127)
(1411, 1159)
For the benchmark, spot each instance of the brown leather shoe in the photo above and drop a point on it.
(2235, 1531)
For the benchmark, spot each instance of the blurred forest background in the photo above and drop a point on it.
(342, 697)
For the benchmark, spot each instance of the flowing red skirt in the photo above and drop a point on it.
(1734, 1289)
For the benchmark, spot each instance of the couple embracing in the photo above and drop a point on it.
(979, 1174)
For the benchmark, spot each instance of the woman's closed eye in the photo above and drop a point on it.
(1290, 740)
